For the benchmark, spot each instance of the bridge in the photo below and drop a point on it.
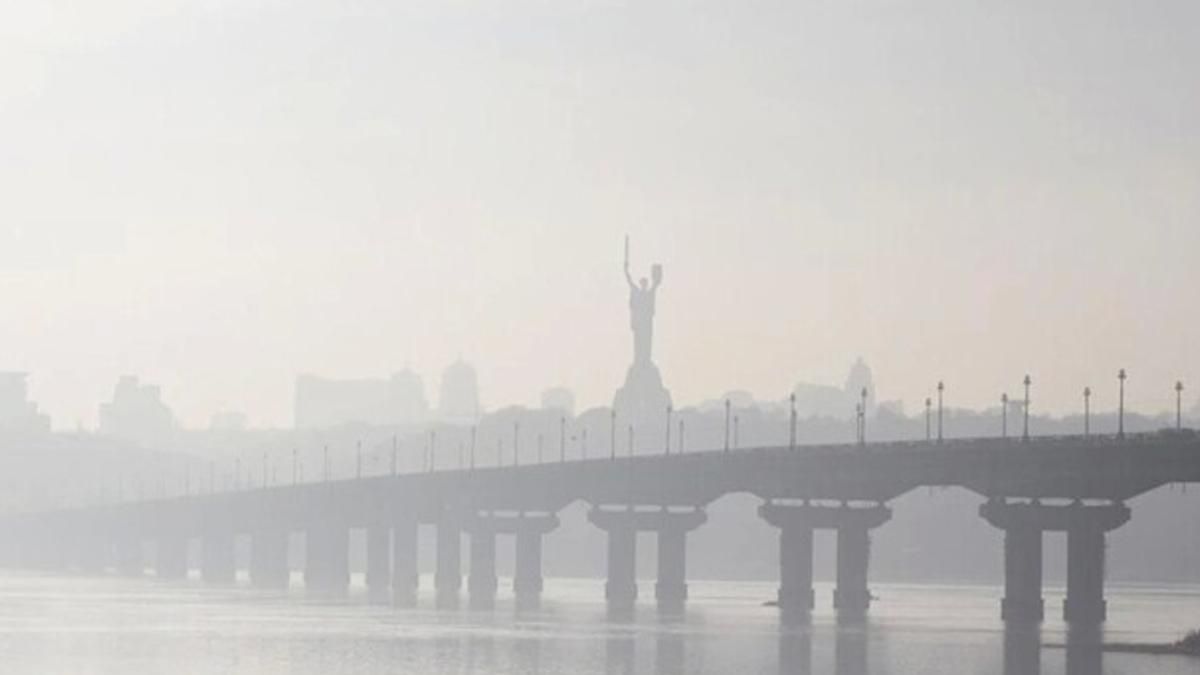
(1075, 484)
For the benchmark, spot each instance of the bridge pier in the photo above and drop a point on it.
(217, 560)
(327, 557)
(129, 560)
(269, 566)
(171, 557)
(527, 575)
(482, 582)
(797, 523)
(1024, 525)
(405, 576)
(447, 579)
(622, 526)
(528, 529)
(379, 562)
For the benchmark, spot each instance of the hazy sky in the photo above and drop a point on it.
(217, 195)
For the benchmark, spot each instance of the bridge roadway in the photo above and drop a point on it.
(1076, 485)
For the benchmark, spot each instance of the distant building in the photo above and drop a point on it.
(17, 413)
(323, 402)
(137, 412)
(559, 398)
(820, 400)
(229, 420)
(458, 399)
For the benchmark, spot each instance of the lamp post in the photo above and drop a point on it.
(630, 441)
(863, 413)
(858, 423)
(1004, 415)
(667, 445)
(681, 448)
(928, 407)
(583, 443)
(1178, 405)
(1025, 430)
(612, 434)
(1087, 412)
(792, 429)
(736, 427)
(941, 388)
(1121, 405)
(726, 425)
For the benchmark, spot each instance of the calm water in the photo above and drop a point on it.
(77, 625)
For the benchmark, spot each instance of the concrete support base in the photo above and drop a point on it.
(128, 557)
(482, 582)
(379, 562)
(171, 558)
(405, 576)
(269, 567)
(622, 527)
(327, 558)
(218, 564)
(1023, 525)
(797, 523)
(447, 580)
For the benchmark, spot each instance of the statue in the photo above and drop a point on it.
(641, 310)
(643, 400)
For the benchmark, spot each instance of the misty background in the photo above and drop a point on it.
(222, 198)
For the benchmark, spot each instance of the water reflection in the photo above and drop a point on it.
(850, 648)
(795, 650)
(670, 647)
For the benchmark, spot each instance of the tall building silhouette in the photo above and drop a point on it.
(458, 398)
(137, 412)
(17, 413)
(322, 402)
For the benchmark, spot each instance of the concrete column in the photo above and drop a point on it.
(671, 588)
(621, 587)
(171, 557)
(1085, 576)
(1022, 575)
(405, 576)
(379, 562)
(448, 578)
(852, 597)
(218, 564)
(482, 583)
(269, 566)
(796, 568)
(327, 557)
(527, 577)
(129, 561)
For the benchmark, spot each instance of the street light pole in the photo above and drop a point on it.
(792, 431)
(1087, 412)
(1121, 405)
(726, 425)
(928, 407)
(1004, 415)
(863, 423)
(1025, 431)
(667, 445)
(612, 435)
(941, 388)
(1179, 406)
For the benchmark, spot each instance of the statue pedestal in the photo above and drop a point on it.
(643, 402)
